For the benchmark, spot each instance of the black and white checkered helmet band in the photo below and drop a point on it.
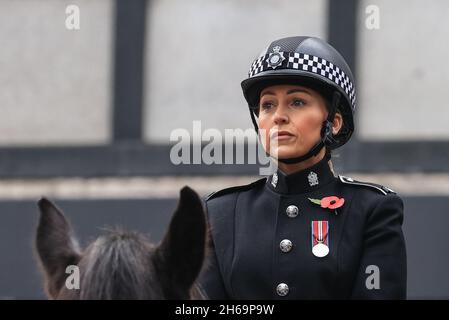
(310, 63)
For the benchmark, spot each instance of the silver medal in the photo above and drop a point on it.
(320, 238)
(320, 250)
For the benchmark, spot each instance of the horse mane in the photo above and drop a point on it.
(118, 266)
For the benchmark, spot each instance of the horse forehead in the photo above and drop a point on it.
(107, 273)
(128, 255)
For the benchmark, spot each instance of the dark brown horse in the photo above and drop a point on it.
(120, 264)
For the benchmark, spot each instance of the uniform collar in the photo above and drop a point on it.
(303, 181)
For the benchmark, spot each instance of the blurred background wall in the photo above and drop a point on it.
(87, 114)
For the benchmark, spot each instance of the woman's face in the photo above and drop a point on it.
(290, 118)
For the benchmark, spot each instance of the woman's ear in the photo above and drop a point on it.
(337, 124)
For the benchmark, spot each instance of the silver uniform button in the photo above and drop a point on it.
(292, 211)
(286, 245)
(282, 289)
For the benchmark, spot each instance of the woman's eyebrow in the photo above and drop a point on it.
(298, 90)
(267, 92)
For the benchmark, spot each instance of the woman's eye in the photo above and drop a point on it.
(298, 102)
(267, 105)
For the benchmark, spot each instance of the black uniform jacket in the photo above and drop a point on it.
(261, 240)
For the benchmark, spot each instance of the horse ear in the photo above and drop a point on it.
(182, 249)
(55, 246)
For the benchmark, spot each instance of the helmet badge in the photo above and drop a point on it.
(275, 58)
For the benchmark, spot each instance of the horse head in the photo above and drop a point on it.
(122, 264)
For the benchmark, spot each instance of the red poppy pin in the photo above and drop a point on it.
(331, 202)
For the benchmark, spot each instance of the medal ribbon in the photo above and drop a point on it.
(320, 232)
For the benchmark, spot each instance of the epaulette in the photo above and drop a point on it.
(234, 189)
(383, 189)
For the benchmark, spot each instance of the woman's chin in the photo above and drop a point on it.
(284, 152)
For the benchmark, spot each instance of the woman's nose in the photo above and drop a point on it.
(280, 116)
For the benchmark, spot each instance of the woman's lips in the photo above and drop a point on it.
(281, 135)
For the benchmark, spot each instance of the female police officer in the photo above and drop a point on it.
(303, 233)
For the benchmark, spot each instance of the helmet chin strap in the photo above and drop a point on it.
(326, 133)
